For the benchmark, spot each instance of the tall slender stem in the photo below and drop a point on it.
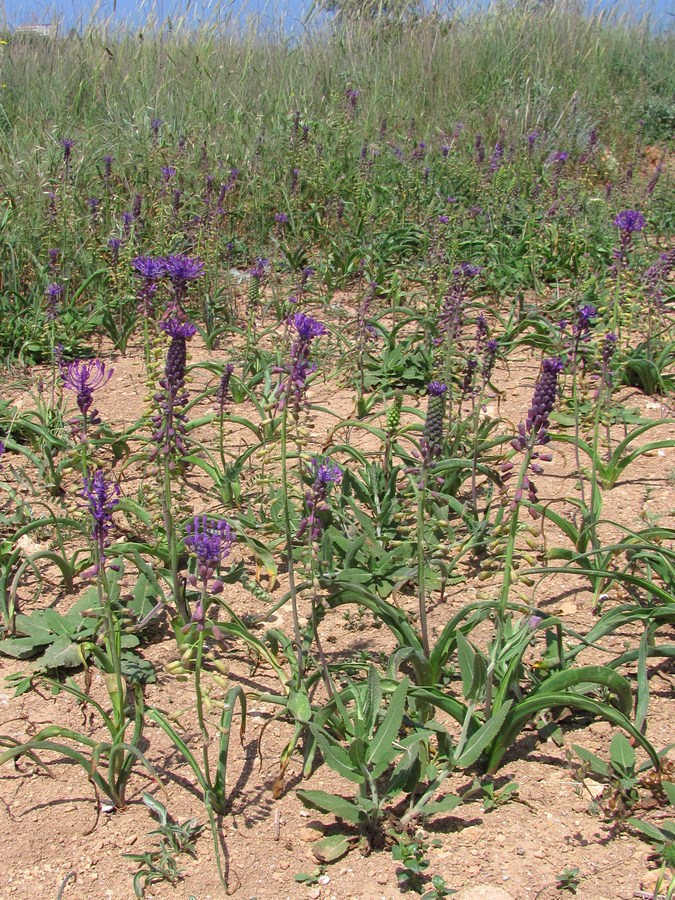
(289, 539)
(421, 561)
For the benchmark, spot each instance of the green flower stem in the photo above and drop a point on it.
(508, 579)
(200, 700)
(421, 561)
(113, 640)
(172, 544)
(289, 539)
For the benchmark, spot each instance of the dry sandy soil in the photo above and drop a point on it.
(50, 826)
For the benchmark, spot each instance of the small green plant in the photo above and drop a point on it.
(310, 878)
(494, 797)
(412, 856)
(620, 775)
(662, 837)
(173, 839)
(569, 879)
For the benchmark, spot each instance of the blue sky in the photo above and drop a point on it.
(71, 11)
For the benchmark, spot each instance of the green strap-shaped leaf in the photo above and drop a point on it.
(527, 709)
(380, 746)
(331, 803)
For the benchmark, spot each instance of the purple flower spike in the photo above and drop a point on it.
(543, 400)
(177, 329)
(224, 387)
(259, 270)
(169, 423)
(293, 386)
(102, 498)
(180, 269)
(307, 327)
(629, 221)
(84, 377)
(436, 389)
(324, 475)
(211, 541)
(149, 267)
(67, 145)
(53, 294)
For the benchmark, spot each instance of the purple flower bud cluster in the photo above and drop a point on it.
(181, 270)
(657, 274)
(53, 294)
(352, 97)
(608, 348)
(169, 423)
(481, 331)
(84, 377)
(155, 125)
(535, 431)
(150, 269)
(590, 147)
(210, 540)
(102, 497)
(468, 381)
(292, 387)
(224, 386)
(497, 157)
(434, 424)
(489, 360)
(581, 330)
(114, 244)
(260, 268)
(543, 400)
(67, 145)
(531, 141)
(451, 315)
(324, 474)
(629, 222)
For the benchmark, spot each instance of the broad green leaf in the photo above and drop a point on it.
(20, 647)
(621, 753)
(331, 803)
(407, 772)
(336, 757)
(446, 804)
(299, 706)
(465, 658)
(373, 700)
(649, 830)
(379, 751)
(598, 765)
(62, 654)
(330, 848)
(479, 740)
(669, 791)
(156, 806)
